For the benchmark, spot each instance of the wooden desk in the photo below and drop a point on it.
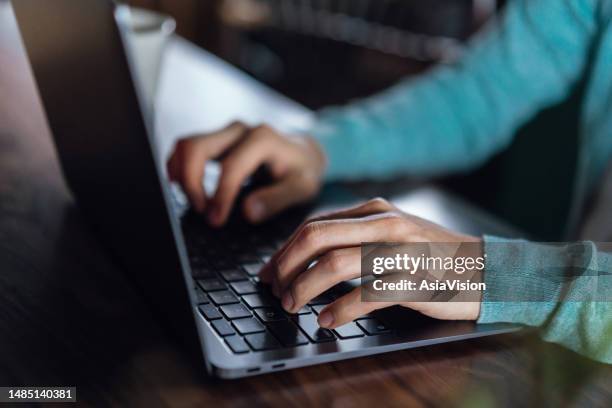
(69, 317)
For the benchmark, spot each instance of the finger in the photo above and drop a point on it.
(317, 238)
(241, 162)
(191, 175)
(332, 268)
(348, 308)
(370, 207)
(195, 158)
(270, 200)
(190, 158)
(171, 166)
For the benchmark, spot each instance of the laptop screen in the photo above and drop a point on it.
(83, 77)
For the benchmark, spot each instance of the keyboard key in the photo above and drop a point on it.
(304, 310)
(263, 288)
(223, 328)
(237, 344)
(349, 331)
(202, 272)
(254, 238)
(220, 263)
(257, 300)
(210, 251)
(235, 311)
(373, 326)
(201, 297)
(287, 333)
(233, 275)
(262, 341)
(271, 314)
(248, 326)
(211, 285)
(223, 298)
(209, 312)
(310, 326)
(266, 251)
(323, 299)
(247, 258)
(317, 308)
(252, 269)
(198, 261)
(235, 246)
(244, 287)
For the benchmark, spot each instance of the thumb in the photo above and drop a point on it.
(270, 200)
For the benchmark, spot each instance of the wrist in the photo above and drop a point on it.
(475, 250)
(473, 311)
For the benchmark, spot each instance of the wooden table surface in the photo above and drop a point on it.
(69, 317)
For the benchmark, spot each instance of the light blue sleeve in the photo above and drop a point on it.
(565, 291)
(456, 117)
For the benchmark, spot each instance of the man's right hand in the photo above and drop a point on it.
(295, 163)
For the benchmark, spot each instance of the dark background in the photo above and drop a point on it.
(322, 52)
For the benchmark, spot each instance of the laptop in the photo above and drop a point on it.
(201, 283)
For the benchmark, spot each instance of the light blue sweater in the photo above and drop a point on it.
(456, 117)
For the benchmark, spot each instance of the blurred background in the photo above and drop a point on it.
(322, 52)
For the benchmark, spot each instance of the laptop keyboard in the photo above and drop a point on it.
(256, 321)
(242, 310)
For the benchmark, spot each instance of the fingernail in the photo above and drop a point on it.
(326, 319)
(288, 302)
(257, 210)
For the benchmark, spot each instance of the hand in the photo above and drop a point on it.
(297, 164)
(334, 240)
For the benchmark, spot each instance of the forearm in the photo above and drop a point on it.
(454, 118)
(539, 285)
